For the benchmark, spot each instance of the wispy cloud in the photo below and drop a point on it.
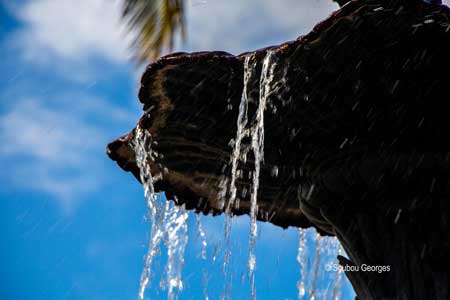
(53, 124)
(54, 148)
(72, 30)
(237, 26)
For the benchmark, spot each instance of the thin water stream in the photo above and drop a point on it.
(257, 137)
(168, 223)
(236, 155)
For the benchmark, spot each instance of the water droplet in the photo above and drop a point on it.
(274, 171)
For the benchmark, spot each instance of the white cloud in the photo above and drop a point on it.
(53, 141)
(76, 30)
(237, 26)
(54, 148)
(51, 135)
(72, 30)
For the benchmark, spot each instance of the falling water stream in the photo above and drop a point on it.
(336, 292)
(258, 151)
(236, 155)
(155, 211)
(169, 220)
(202, 236)
(168, 223)
(312, 292)
(301, 261)
(241, 133)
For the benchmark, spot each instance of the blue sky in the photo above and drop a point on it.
(72, 223)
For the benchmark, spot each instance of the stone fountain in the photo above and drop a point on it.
(357, 139)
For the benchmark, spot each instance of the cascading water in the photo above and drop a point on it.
(176, 239)
(155, 211)
(319, 276)
(236, 155)
(168, 223)
(202, 236)
(301, 261)
(241, 133)
(336, 293)
(258, 151)
(256, 133)
(318, 241)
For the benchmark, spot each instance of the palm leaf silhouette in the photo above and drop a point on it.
(156, 22)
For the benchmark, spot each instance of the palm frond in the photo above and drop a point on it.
(156, 23)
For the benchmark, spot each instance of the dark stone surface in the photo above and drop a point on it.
(358, 126)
